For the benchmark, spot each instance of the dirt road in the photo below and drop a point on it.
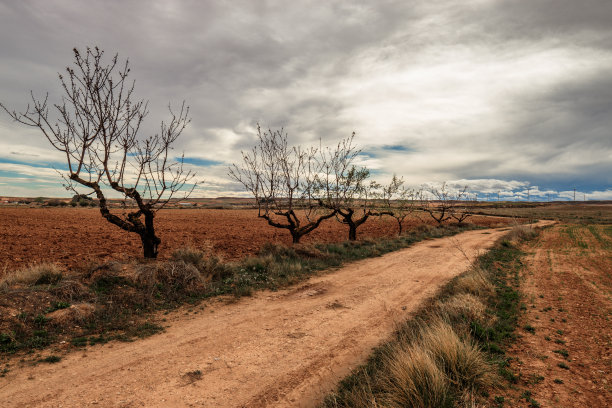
(285, 348)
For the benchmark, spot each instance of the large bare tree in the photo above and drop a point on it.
(96, 126)
(281, 178)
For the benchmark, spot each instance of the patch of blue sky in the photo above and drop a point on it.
(200, 162)
(36, 164)
(369, 155)
(397, 148)
(12, 175)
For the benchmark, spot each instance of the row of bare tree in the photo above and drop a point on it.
(297, 188)
(96, 127)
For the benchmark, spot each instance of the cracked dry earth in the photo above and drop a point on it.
(276, 349)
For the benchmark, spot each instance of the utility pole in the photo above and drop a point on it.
(574, 195)
(528, 193)
(498, 196)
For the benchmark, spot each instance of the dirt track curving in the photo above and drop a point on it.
(285, 348)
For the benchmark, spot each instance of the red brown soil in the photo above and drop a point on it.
(281, 349)
(568, 289)
(76, 236)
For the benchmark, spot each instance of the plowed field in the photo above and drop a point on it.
(76, 236)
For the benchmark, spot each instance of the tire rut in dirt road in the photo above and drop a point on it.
(285, 348)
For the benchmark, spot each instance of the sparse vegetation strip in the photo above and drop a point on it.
(114, 301)
(451, 352)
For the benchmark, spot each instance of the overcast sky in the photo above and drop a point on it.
(499, 95)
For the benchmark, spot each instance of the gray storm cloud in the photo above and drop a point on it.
(506, 93)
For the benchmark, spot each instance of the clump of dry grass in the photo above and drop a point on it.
(211, 267)
(463, 363)
(189, 255)
(70, 290)
(173, 274)
(462, 306)
(39, 274)
(476, 282)
(521, 233)
(362, 396)
(436, 368)
(414, 379)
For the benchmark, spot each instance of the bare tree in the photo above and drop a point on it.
(444, 203)
(399, 202)
(95, 125)
(281, 179)
(461, 210)
(343, 187)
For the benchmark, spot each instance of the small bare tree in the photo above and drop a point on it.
(444, 203)
(399, 202)
(344, 188)
(281, 179)
(461, 211)
(95, 125)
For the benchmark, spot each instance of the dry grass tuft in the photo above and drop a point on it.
(189, 255)
(362, 396)
(476, 283)
(462, 306)
(78, 313)
(521, 233)
(70, 290)
(414, 379)
(211, 267)
(463, 363)
(39, 274)
(436, 368)
(172, 274)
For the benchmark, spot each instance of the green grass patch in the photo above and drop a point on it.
(57, 306)
(572, 232)
(51, 359)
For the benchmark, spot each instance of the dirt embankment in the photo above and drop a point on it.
(285, 348)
